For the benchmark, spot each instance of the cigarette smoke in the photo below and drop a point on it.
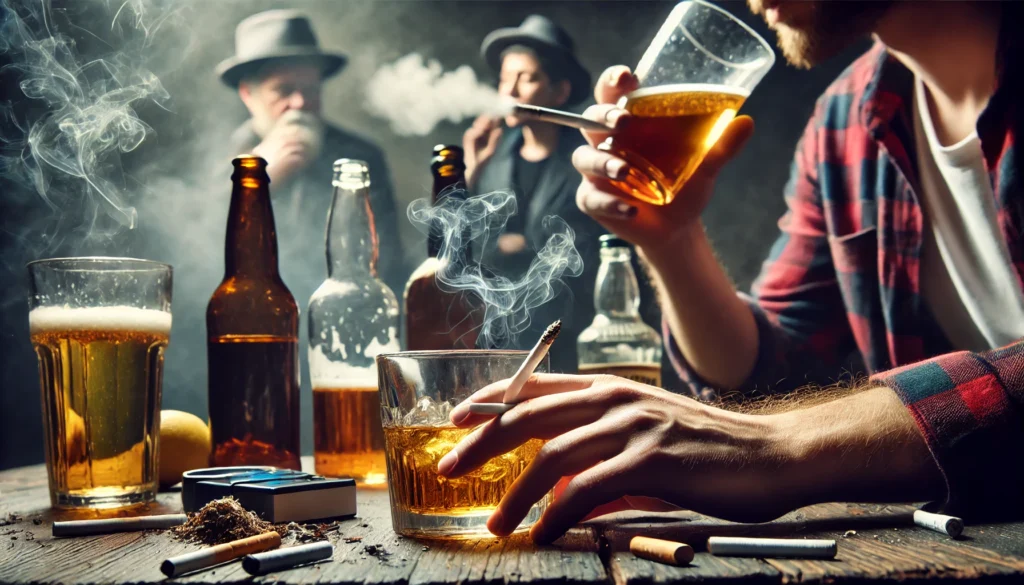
(69, 147)
(415, 95)
(481, 219)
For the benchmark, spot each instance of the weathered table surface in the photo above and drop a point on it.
(883, 545)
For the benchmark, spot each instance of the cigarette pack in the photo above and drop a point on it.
(208, 490)
(192, 477)
(298, 499)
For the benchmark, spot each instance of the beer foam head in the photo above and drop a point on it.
(121, 318)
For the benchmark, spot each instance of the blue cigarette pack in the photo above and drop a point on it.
(276, 495)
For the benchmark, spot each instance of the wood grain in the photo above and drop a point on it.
(876, 543)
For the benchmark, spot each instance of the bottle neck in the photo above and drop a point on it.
(351, 233)
(449, 180)
(251, 242)
(617, 292)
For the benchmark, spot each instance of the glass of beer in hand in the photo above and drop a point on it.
(695, 75)
(100, 327)
(418, 389)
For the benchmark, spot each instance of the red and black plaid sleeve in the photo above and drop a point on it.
(969, 409)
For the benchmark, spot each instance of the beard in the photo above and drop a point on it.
(821, 29)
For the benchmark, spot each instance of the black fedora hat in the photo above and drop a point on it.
(271, 36)
(548, 39)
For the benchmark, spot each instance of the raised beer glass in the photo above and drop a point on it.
(418, 389)
(100, 327)
(694, 76)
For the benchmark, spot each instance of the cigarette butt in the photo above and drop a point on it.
(221, 553)
(662, 551)
(490, 407)
(948, 525)
(771, 547)
(110, 525)
(283, 558)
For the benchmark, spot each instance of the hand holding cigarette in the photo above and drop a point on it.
(637, 445)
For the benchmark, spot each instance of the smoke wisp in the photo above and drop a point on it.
(69, 147)
(414, 95)
(476, 222)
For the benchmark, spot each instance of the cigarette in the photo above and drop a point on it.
(662, 551)
(266, 562)
(948, 525)
(771, 547)
(490, 408)
(108, 526)
(221, 553)
(559, 117)
(531, 362)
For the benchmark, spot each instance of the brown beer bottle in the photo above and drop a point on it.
(435, 319)
(252, 326)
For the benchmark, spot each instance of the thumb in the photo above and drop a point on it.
(729, 144)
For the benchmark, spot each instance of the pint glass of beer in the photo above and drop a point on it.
(695, 75)
(100, 327)
(417, 392)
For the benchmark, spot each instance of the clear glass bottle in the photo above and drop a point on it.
(353, 316)
(618, 342)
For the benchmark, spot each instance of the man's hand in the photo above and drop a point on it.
(627, 442)
(644, 224)
(288, 149)
(479, 143)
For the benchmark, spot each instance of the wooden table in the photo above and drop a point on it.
(875, 543)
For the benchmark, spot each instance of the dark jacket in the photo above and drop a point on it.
(555, 194)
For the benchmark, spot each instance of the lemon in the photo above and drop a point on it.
(184, 445)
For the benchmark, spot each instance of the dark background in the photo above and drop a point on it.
(182, 213)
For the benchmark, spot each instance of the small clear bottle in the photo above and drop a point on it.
(618, 342)
(353, 316)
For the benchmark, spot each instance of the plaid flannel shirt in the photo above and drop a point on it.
(843, 277)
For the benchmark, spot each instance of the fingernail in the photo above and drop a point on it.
(458, 415)
(615, 168)
(614, 116)
(496, 523)
(447, 463)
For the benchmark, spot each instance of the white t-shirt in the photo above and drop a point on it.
(967, 279)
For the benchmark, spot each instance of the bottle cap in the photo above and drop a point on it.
(613, 241)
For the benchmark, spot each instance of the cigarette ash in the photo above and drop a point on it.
(221, 521)
(11, 518)
(305, 533)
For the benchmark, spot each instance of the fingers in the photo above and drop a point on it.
(641, 503)
(543, 417)
(610, 115)
(603, 483)
(597, 163)
(600, 199)
(572, 452)
(728, 145)
(615, 82)
(536, 385)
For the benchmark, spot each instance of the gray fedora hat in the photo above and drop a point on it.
(549, 40)
(275, 35)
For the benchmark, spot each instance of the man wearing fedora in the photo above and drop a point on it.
(536, 65)
(278, 69)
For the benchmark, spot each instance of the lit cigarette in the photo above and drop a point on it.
(559, 117)
(530, 364)
(283, 558)
(771, 547)
(88, 527)
(948, 525)
(662, 551)
(221, 553)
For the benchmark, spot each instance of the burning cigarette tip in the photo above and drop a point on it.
(551, 332)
